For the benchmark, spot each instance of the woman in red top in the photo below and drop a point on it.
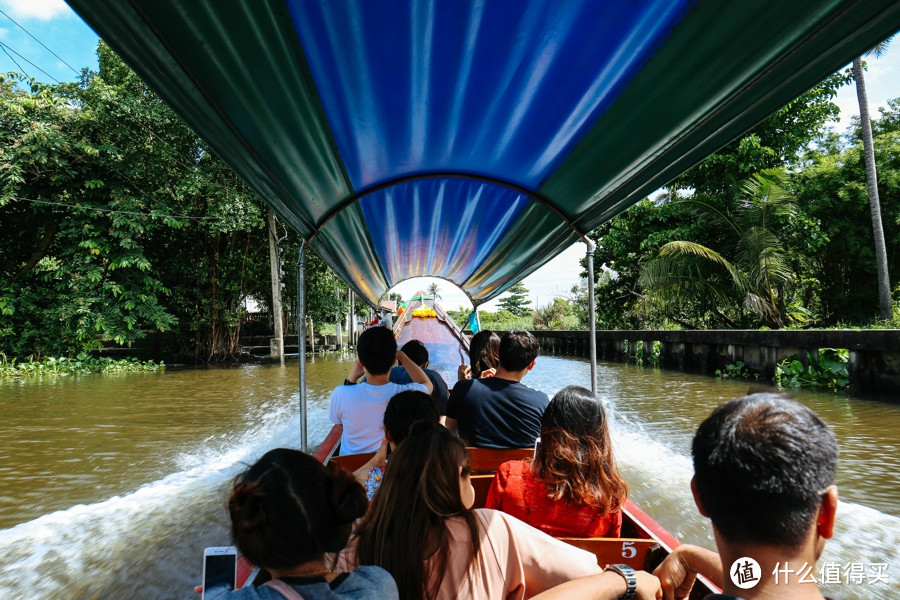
(572, 486)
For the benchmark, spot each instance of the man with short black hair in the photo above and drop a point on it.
(764, 470)
(360, 407)
(499, 411)
(418, 353)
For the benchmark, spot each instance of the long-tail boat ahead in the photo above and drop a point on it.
(472, 140)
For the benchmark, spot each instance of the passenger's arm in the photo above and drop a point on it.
(679, 570)
(607, 585)
(415, 371)
(451, 425)
(379, 459)
(356, 371)
(546, 561)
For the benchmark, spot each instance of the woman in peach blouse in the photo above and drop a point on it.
(422, 530)
(571, 487)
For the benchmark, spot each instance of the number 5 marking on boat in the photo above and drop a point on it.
(628, 550)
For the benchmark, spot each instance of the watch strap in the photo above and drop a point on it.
(630, 579)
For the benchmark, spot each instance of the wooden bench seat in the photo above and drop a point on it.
(482, 460)
(486, 460)
(351, 462)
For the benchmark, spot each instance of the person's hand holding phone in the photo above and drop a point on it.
(219, 569)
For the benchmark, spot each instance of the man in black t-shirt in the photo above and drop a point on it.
(499, 411)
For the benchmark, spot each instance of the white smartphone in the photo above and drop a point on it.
(537, 444)
(219, 567)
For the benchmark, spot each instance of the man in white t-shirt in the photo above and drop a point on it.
(360, 407)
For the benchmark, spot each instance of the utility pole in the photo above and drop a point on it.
(276, 345)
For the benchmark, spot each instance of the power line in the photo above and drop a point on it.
(174, 152)
(41, 43)
(120, 212)
(3, 47)
(7, 46)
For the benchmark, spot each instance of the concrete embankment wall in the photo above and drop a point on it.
(874, 365)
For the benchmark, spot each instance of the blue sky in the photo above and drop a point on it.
(65, 34)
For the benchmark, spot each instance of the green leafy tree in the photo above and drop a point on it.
(515, 300)
(434, 290)
(503, 320)
(558, 315)
(216, 254)
(747, 271)
(76, 272)
(831, 191)
(126, 223)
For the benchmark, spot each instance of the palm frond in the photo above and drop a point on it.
(683, 249)
(879, 49)
(715, 215)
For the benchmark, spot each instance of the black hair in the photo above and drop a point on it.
(484, 352)
(406, 408)
(762, 464)
(416, 351)
(518, 349)
(288, 508)
(377, 350)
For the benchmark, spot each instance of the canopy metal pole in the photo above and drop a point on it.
(301, 340)
(352, 333)
(592, 304)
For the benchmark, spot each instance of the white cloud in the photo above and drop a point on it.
(43, 10)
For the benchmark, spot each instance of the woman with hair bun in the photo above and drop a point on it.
(287, 511)
(572, 486)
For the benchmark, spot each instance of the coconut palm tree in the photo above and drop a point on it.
(750, 268)
(884, 285)
(434, 291)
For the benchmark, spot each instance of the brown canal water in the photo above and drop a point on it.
(112, 485)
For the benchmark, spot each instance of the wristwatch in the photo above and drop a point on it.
(630, 579)
(348, 382)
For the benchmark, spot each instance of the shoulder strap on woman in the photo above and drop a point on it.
(283, 589)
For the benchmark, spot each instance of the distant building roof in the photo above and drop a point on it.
(390, 305)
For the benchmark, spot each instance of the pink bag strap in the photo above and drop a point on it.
(283, 589)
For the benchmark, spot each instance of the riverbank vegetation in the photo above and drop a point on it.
(120, 221)
(79, 365)
(125, 223)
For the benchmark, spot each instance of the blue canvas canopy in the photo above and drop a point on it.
(473, 140)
